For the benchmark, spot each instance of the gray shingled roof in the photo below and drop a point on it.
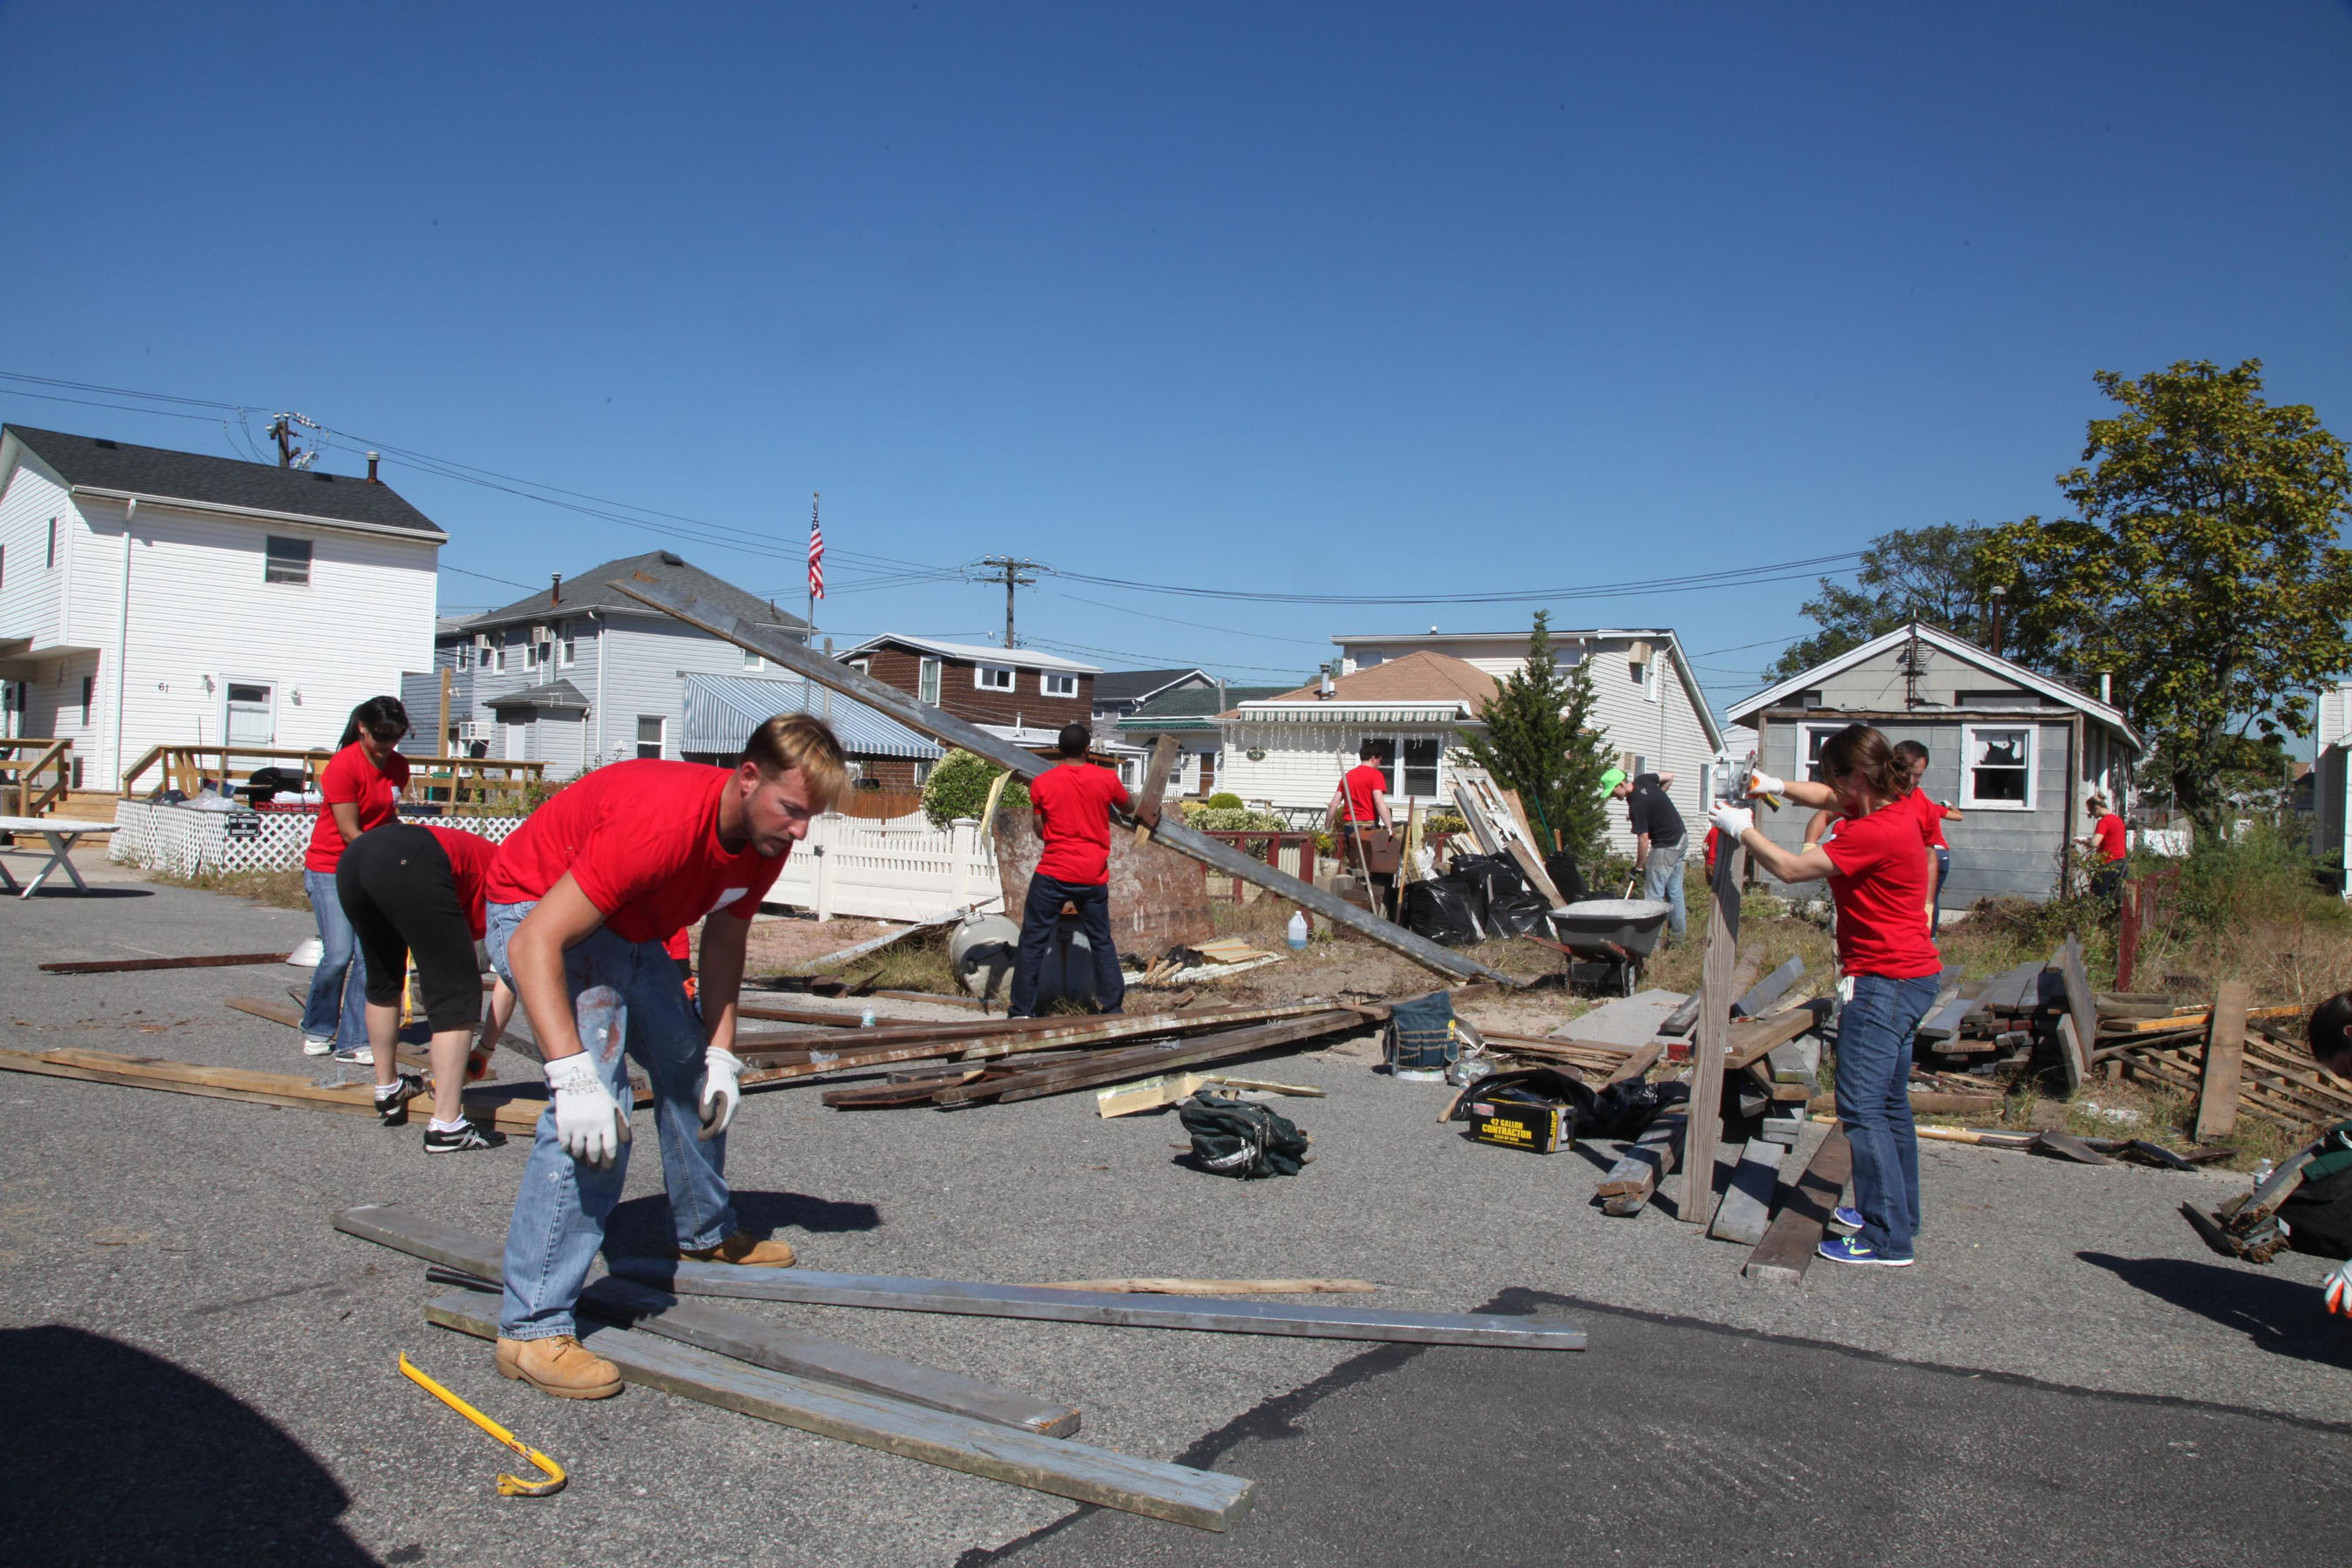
(1192, 708)
(560, 696)
(587, 591)
(1127, 685)
(98, 463)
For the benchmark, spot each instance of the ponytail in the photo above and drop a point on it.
(1859, 749)
(376, 716)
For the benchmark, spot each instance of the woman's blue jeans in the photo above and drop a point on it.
(628, 1000)
(338, 1001)
(1873, 1101)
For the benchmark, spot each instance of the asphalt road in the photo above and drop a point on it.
(201, 1370)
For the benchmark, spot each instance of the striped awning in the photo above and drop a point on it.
(721, 712)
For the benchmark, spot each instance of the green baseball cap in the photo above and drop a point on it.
(1611, 779)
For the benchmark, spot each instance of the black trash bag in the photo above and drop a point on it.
(1626, 1110)
(1445, 910)
(1497, 877)
(1516, 914)
(1568, 877)
(1236, 1137)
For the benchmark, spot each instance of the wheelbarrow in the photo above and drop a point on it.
(1604, 941)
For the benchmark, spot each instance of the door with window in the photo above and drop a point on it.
(252, 714)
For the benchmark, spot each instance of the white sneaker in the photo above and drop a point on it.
(317, 1045)
(356, 1055)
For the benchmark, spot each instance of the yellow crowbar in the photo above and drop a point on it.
(509, 1486)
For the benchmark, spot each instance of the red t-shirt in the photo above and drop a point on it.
(350, 779)
(1073, 803)
(1881, 893)
(1360, 781)
(2114, 839)
(470, 855)
(641, 839)
(1931, 816)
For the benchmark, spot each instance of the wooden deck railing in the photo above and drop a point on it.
(475, 782)
(23, 760)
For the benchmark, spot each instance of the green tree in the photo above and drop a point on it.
(1542, 742)
(1931, 575)
(959, 787)
(2203, 570)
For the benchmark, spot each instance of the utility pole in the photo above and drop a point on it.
(1008, 570)
(284, 434)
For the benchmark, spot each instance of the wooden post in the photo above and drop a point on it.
(1155, 784)
(1705, 1126)
(2225, 1058)
(2126, 938)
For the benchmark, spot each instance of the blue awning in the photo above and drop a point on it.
(721, 712)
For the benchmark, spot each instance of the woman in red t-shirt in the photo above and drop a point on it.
(1876, 867)
(2111, 840)
(361, 787)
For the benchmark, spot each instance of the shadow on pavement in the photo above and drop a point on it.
(640, 1227)
(117, 1456)
(2279, 1315)
(101, 890)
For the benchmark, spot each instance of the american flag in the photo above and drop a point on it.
(816, 553)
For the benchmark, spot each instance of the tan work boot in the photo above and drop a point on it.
(562, 1366)
(745, 1248)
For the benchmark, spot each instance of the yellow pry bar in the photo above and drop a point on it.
(509, 1486)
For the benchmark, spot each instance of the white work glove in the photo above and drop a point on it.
(720, 1094)
(1761, 783)
(588, 1120)
(1731, 821)
(2332, 1289)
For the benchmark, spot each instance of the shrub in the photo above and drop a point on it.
(1223, 801)
(959, 787)
(1214, 818)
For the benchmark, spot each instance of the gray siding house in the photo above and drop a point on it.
(2016, 751)
(580, 675)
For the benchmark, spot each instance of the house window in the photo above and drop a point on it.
(1809, 698)
(499, 654)
(1998, 766)
(1420, 774)
(286, 561)
(88, 685)
(862, 666)
(927, 681)
(1814, 737)
(458, 654)
(1054, 684)
(569, 642)
(2007, 696)
(993, 677)
(752, 660)
(649, 734)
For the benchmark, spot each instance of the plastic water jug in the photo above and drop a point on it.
(1298, 931)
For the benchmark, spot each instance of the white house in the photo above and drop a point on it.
(1289, 750)
(2331, 822)
(149, 596)
(1646, 699)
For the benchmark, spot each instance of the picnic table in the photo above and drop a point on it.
(62, 834)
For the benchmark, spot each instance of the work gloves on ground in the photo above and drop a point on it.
(589, 1122)
(720, 1094)
(2336, 1290)
(1731, 821)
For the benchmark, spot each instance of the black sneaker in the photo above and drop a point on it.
(391, 1100)
(466, 1137)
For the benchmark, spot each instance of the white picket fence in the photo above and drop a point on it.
(899, 870)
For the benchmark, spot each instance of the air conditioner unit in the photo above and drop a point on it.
(543, 635)
(469, 729)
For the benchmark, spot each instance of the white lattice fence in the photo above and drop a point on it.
(188, 842)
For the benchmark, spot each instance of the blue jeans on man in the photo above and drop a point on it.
(629, 1002)
(1041, 922)
(336, 1005)
(1874, 1034)
(1661, 877)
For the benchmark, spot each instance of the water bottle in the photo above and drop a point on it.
(1298, 931)
(865, 1019)
(2263, 1169)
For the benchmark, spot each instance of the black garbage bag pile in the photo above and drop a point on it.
(1509, 907)
(1236, 1137)
(1448, 911)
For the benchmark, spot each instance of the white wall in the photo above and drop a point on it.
(1303, 762)
(31, 590)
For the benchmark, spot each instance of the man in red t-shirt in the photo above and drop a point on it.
(582, 898)
(2112, 841)
(1073, 800)
(1360, 807)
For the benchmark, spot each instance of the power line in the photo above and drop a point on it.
(1730, 577)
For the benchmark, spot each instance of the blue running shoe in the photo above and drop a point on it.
(1848, 1249)
(1845, 1221)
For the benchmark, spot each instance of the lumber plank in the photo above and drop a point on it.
(877, 945)
(1706, 1123)
(1766, 991)
(1746, 1207)
(1203, 1499)
(1626, 1188)
(1788, 1244)
(126, 1073)
(2080, 1004)
(1943, 1023)
(132, 965)
(1679, 1022)
(1212, 1315)
(1753, 1039)
(1155, 784)
(1118, 1067)
(1929, 1104)
(1159, 1287)
(772, 1345)
(2072, 1052)
(2225, 1052)
(1636, 1066)
(1170, 834)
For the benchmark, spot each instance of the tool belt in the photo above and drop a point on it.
(1377, 845)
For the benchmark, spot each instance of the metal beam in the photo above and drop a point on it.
(917, 715)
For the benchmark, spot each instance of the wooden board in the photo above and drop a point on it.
(1118, 1067)
(130, 966)
(1753, 1039)
(1713, 1042)
(2072, 1053)
(1155, 784)
(1202, 1498)
(1637, 1065)
(1746, 1206)
(746, 1338)
(969, 1298)
(1789, 1244)
(2225, 1052)
(1629, 1022)
(2082, 1006)
(1942, 1023)
(1627, 1187)
(1159, 899)
(1766, 991)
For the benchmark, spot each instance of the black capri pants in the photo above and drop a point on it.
(401, 898)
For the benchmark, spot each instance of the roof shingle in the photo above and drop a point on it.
(95, 462)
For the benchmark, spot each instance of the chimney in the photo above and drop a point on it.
(371, 462)
(1324, 693)
(1999, 593)
(555, 587)
(2107, 688)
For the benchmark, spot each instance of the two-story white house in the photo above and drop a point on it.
(150, 597)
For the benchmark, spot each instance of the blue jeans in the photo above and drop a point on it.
(1943, 869)
(338, 1004)
(629, 1002)
(1873, 1101)
(1661, 876)
(1041, 917)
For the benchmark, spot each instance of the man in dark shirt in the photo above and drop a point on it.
(1073, 800)
(1658, 845)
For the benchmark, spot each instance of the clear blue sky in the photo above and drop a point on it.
(1344, 299)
